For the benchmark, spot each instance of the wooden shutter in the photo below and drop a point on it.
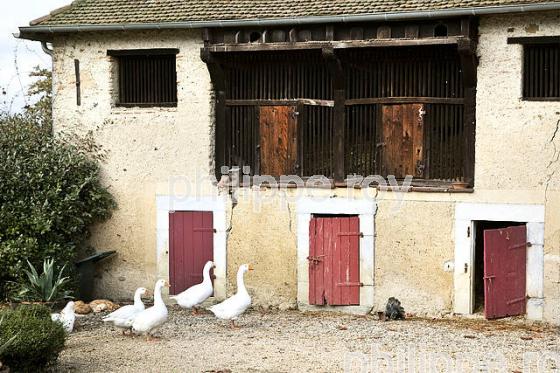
(278, 140)
(403, 140)
(191, 245)
(505, 257)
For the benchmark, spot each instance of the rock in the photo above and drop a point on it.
(287, 306)
(100, 305)
(81, 308)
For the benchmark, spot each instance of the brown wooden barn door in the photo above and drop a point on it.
(403, 140)
(505, 258)
(278, 140)
(191, 245)
(334, 261)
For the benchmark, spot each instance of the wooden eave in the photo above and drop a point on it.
(255, 47)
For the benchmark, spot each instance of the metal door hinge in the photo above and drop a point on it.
(360, 234)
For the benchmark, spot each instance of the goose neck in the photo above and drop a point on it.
(137, 299)
(158, 301)
(206, 275)
(241, 282)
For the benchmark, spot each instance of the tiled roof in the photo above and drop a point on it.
(98, 12)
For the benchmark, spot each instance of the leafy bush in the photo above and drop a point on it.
(46, 287)
(38, 340)
(50, 193)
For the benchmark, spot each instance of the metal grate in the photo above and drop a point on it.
(317, 141)
(273, 76)
(147, 80)
(444, 140)
(403, 72)
(361, 139)
(541, 71)
(241, 136)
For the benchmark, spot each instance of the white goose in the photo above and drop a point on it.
(197, 294)
(66, 317)
(233, 307)
(124, 316)
(148, 321)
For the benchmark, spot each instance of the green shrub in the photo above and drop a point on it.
(5, 344)
(34, 310)
(44, 287)
(38, 340)
(50, 194)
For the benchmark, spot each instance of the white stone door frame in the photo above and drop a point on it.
(217, 205)
(366, 210)
(466, 214)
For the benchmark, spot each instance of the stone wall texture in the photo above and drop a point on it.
(516, 163)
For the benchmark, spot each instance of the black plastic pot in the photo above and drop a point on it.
(86, 271)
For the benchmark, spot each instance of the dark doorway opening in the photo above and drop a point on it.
(480, 227)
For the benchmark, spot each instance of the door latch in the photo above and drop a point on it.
(315, 259)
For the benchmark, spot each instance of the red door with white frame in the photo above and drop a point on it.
(505, 268)
(191, 245)
(334, 260)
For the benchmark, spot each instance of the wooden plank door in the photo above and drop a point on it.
(505, 258)
(191, 245)
(278, 140)
(403, 140)
(334, 261)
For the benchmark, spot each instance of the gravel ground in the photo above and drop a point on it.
(316, 342)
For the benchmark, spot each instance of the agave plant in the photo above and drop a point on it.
(44, 287)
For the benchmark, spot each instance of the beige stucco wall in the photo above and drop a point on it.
(516, 146)
(145, 145)
(515, 164)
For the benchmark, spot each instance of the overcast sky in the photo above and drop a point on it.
(14, 81)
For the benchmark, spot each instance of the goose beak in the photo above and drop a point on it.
(251, 267)
(147, 293)
(167, 284)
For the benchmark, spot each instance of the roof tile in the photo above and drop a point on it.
(96, 12)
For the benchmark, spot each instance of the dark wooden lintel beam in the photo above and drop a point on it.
(257, 102)
(351, 102)
(372, 43)
(534, 40)
(406, 100)
(142, 52)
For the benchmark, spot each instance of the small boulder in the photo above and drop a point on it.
(81, 308)
(100, 305)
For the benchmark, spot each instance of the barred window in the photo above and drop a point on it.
(541, 71)
(146, 77)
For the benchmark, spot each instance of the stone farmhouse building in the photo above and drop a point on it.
(458, 100)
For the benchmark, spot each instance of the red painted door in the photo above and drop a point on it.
(191, 245)
(334, 261)
(505, 258)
